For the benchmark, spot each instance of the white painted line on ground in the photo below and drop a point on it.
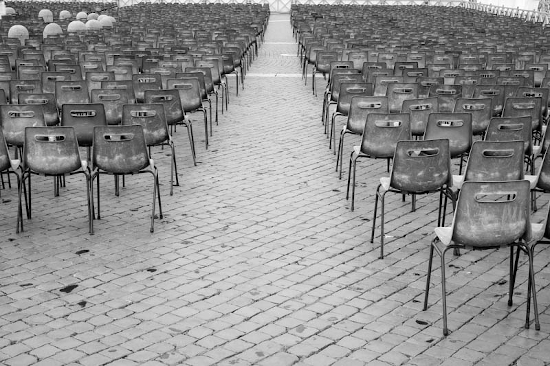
(274, 75)
(288, 55)
(280, 43)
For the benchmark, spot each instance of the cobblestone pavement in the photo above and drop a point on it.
(257, 261)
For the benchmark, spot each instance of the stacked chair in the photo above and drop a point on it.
(103, 93)
(436, 85)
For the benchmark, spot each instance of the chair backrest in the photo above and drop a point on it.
(491, 214)
(83, 117)
(15, 118)
(50, 77)
(495, 161)
(382, 132)
(339, 76)
(529, 92)
(119, 149)
(170, 99)
(419, 110)
(361, 107)
(74, 70)
(447, 95)
(495, 92)
(207, 72)
(121, 72)
(480, 109)
(544, 174)
(151, 118)
(381, 83)
(94, 79)
(457, 127)
(518, 107)
(51, 150)
(425, 83)
(47, 101)
(397, 93)
(189, 92)
(23, 86)
(348, 91)
(421, 166)
(143, 82)
(112, 100)
(71, 92)
(511, 129)
(4, 153)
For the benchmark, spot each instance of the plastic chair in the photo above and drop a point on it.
(419, 167)
(8, 165)
(143, 82)
(112, 100)
(332, 91)
(209, 85)
(447, 95)
(23, 86)
(481, 111)
(15, 118)
(518, 107)
(379, 139)
(495, 92)
(50, 77)
(397, 93)
(347, 91)
(322, 65)
(457, 127)
(190, 97)
(489, 215)
(153, 120)
(71, 92)
(360, 108)
(95, 78)
(173, 111)
(83, 118)
(419, 110)
(52, 151)
(121, 150)
(47, 101)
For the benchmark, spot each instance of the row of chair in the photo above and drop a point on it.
(422, 85)
(59, 103)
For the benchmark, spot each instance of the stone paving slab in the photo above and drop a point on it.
(257, 261)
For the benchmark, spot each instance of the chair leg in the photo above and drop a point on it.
(349, 175)
(189, 126)
(513, 271)
(532, 287)
(206, 126)
(381, 224)
(340, 152)
(19, 206)
(155, 184)
(374, 214)
(353, 186)
(428, 277)
(444, 294)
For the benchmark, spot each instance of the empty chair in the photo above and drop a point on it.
(480, 109)
(95, 78)
(83, 118)
(153, 120)
(488, 215)
(419, 167)
(518, 107)
(173, 111)
(23, 86)
(419, 110)
(53, 151)
(380, 136)
(397, 93)
(8, 165)
(121, 150)
(447, 95)
(143, 82)
(495, 92)
(347, 91)
(360, 108)
(457, 127)
(112, 100)
(191, 101)
(15, 118)
(71, 92)
(47, 101)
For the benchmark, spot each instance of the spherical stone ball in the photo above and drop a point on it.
(65, 14)
(82, 16)
(93, 24)
(92, 16)
(10, 11)
(19, 32)
(106, 22)
(46, 15)
(76, 26)
(51, 30)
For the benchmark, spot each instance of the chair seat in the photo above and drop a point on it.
(458, 181)
(537, 232)
(445, 234)
(385, 183)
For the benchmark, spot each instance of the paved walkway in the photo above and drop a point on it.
(257, 261)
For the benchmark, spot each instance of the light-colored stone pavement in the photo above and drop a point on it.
(257, 261)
